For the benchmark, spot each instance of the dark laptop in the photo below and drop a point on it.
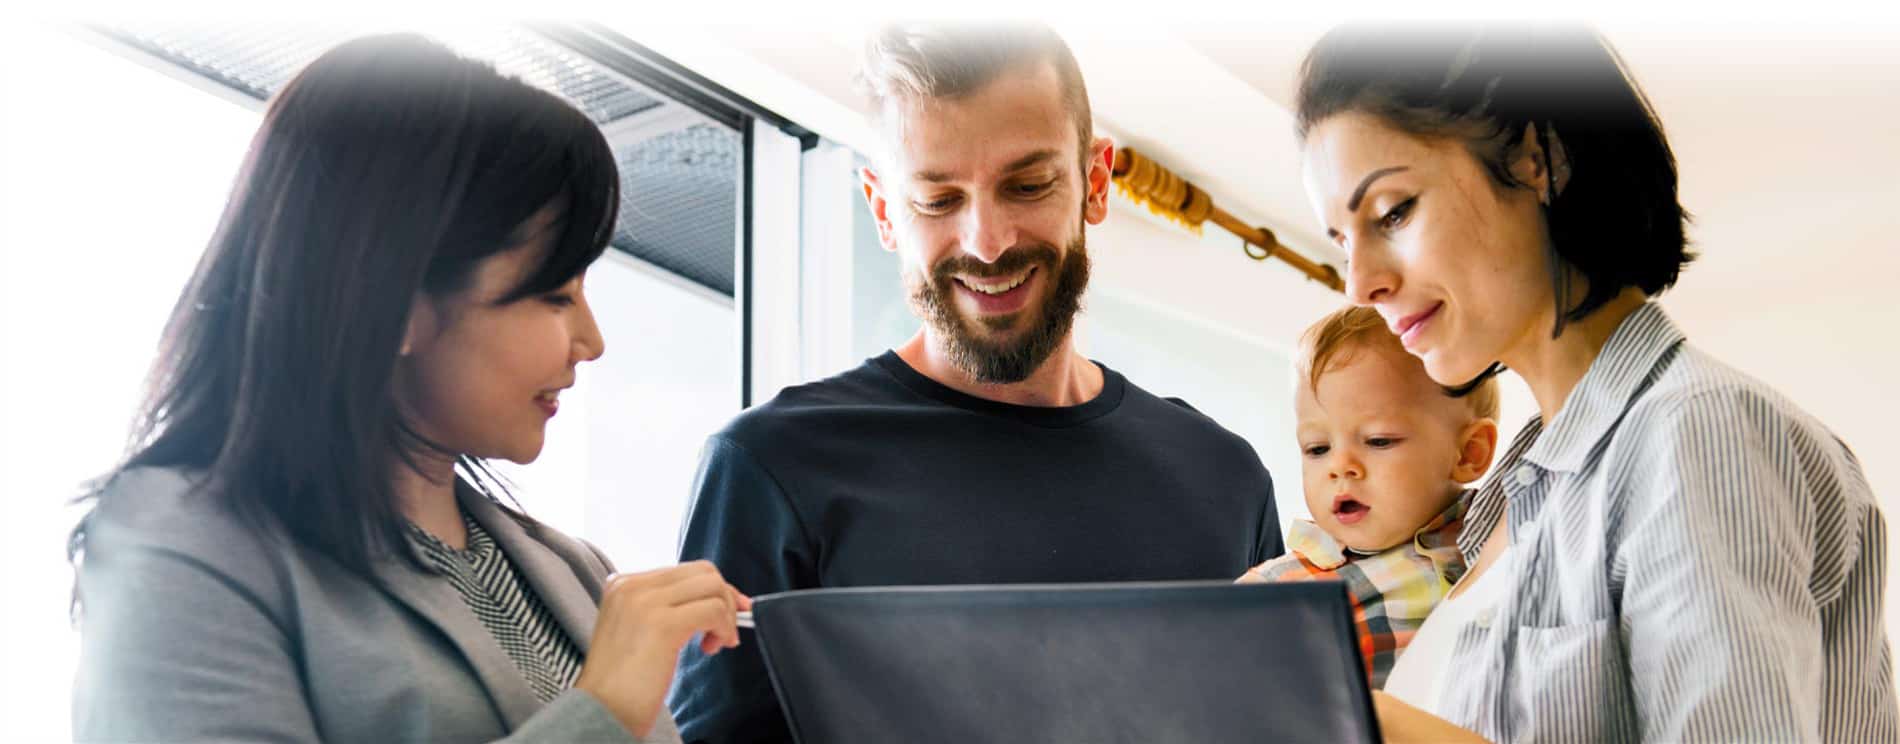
(1151, 663)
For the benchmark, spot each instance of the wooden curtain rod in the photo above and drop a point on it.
(1171, 196)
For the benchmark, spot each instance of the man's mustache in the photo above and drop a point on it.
(1011, 262)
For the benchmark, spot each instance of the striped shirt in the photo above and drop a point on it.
(1697, 559)
(513, 613)
(1391, 591)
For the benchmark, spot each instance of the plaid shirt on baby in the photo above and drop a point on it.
(1391, 592)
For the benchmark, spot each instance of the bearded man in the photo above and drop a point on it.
(985, 450)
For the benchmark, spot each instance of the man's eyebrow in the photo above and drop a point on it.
(1032, 159)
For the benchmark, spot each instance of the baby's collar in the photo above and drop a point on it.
(1437, 540)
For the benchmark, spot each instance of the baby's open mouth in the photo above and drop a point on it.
(1348, 510)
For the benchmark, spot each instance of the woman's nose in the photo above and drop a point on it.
(1369, 276)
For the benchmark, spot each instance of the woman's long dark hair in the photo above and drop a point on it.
(386, 170)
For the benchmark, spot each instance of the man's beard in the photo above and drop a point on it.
(1015, 357)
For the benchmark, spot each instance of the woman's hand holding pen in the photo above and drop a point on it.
(645, 619)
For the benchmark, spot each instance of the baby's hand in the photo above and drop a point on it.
(1250, 577)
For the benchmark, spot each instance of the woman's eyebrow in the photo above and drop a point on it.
(1358, 194)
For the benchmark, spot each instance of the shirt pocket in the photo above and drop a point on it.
(1571, 683)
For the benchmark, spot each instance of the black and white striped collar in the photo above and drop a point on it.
(478, 545)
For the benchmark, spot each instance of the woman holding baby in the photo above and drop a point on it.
(1671, 550)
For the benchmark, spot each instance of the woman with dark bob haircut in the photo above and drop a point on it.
(304, 543)
(1671, 550)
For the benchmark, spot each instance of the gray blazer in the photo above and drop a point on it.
(196, 626)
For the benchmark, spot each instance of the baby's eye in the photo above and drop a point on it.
(1317, 450)
(1381, 442)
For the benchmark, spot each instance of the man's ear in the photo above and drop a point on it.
(874, 198)
(1098, 176)
(1476, 444)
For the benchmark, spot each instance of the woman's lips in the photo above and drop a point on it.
(1410, 327)
(549, 403)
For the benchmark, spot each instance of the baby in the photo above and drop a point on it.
(1387, 455)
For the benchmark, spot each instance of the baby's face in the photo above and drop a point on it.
(1379, 445)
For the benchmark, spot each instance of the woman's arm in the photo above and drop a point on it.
(1400, 723)
(171, 649)
(1723, 631)
(577, 715)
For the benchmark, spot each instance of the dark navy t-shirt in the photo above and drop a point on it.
(881, 476)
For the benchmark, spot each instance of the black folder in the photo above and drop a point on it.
(1151, 663)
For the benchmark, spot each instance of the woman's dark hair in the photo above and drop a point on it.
(388, 167)
(1616, 223)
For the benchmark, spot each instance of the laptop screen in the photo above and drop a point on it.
(1147, 662)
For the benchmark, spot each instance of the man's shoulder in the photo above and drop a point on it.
(811, 409)
(1179, 417)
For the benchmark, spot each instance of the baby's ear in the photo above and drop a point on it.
(1476, 444)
